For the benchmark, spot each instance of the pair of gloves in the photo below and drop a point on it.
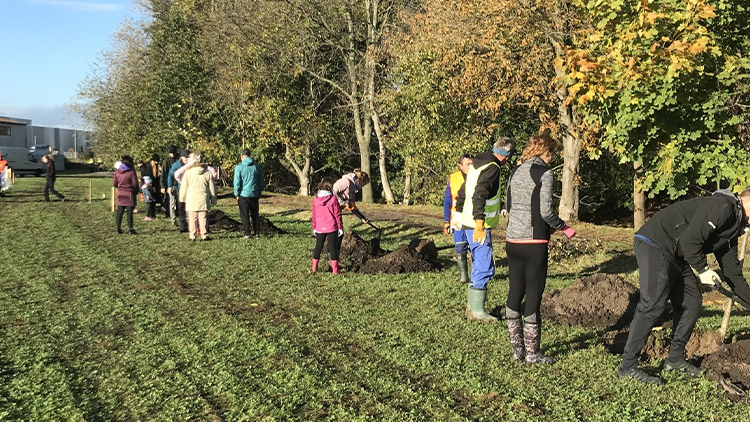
(340, 233)
(480, 234)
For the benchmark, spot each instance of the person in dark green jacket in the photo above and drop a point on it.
(248, 185)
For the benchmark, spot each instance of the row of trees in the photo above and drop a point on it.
(653, 93)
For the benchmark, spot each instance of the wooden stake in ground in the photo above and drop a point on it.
(89, 191)
(112, 204)
(730, 302)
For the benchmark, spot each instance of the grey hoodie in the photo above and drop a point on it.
(531, 211)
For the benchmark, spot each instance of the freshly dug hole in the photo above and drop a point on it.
(600, 300)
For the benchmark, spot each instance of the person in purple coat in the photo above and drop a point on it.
(126, 183)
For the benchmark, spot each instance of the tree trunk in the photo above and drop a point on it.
(381, 158)
(639, 198)
(303, 173)
(571, 159)
(362, 124)
(569, 123)
(407, 189)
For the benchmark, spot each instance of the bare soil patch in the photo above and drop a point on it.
(600, 300)
(608, 302)
(367, 257)
(217, 220)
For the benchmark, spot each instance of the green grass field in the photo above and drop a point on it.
(96, 326)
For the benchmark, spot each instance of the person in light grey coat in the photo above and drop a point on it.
(531, 220)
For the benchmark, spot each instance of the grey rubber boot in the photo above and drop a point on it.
(476, 311)
(515, 332)
(532, 334)
(463, 267)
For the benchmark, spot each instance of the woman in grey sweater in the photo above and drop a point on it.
(531, 220)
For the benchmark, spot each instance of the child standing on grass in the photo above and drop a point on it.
(327, 224)
(148, 198)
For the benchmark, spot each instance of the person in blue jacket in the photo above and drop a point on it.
(174, 186)
(248, 185)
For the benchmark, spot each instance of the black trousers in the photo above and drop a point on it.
(527, 273)
(183, 216)
(49, 186)
(165, 204)
(249, 210)
(151, 210)
(118, 216)
(662, 277)
(333, 245)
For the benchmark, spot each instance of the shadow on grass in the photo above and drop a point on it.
(618, 264)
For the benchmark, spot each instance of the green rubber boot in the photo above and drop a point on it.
(476, 311)
(463, 267)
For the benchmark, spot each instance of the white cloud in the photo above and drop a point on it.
(80, 5)
(58, 116)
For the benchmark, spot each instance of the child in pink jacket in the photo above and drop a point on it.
(327, 225)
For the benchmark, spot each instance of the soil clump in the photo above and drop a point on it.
(600, 300)
(730, 367)
(217, 220)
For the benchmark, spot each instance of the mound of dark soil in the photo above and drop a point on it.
(405, 259)
(366, 256)
(217, 220)
(354, 252)
(730, 363)
(601, 300)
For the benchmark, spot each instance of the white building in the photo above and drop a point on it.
(15, 132)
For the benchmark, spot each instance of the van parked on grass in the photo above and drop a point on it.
(22, 161)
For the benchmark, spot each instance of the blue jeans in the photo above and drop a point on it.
(461, 243)
(483, 263)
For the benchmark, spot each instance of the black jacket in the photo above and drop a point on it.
(166, 164)
(488, 185)
(695, 227)
(51, 171)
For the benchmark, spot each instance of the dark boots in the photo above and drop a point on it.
(463, 267)
(532, 334)
(515, 332)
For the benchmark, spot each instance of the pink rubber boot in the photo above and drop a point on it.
(314, 265)
(335, 266)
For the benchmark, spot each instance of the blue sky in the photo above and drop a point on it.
(50, 47)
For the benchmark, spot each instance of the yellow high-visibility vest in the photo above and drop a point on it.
(455, 180)
(491, 205)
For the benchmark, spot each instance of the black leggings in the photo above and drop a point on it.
(333, 245)
(120, 210)
(527, 271)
